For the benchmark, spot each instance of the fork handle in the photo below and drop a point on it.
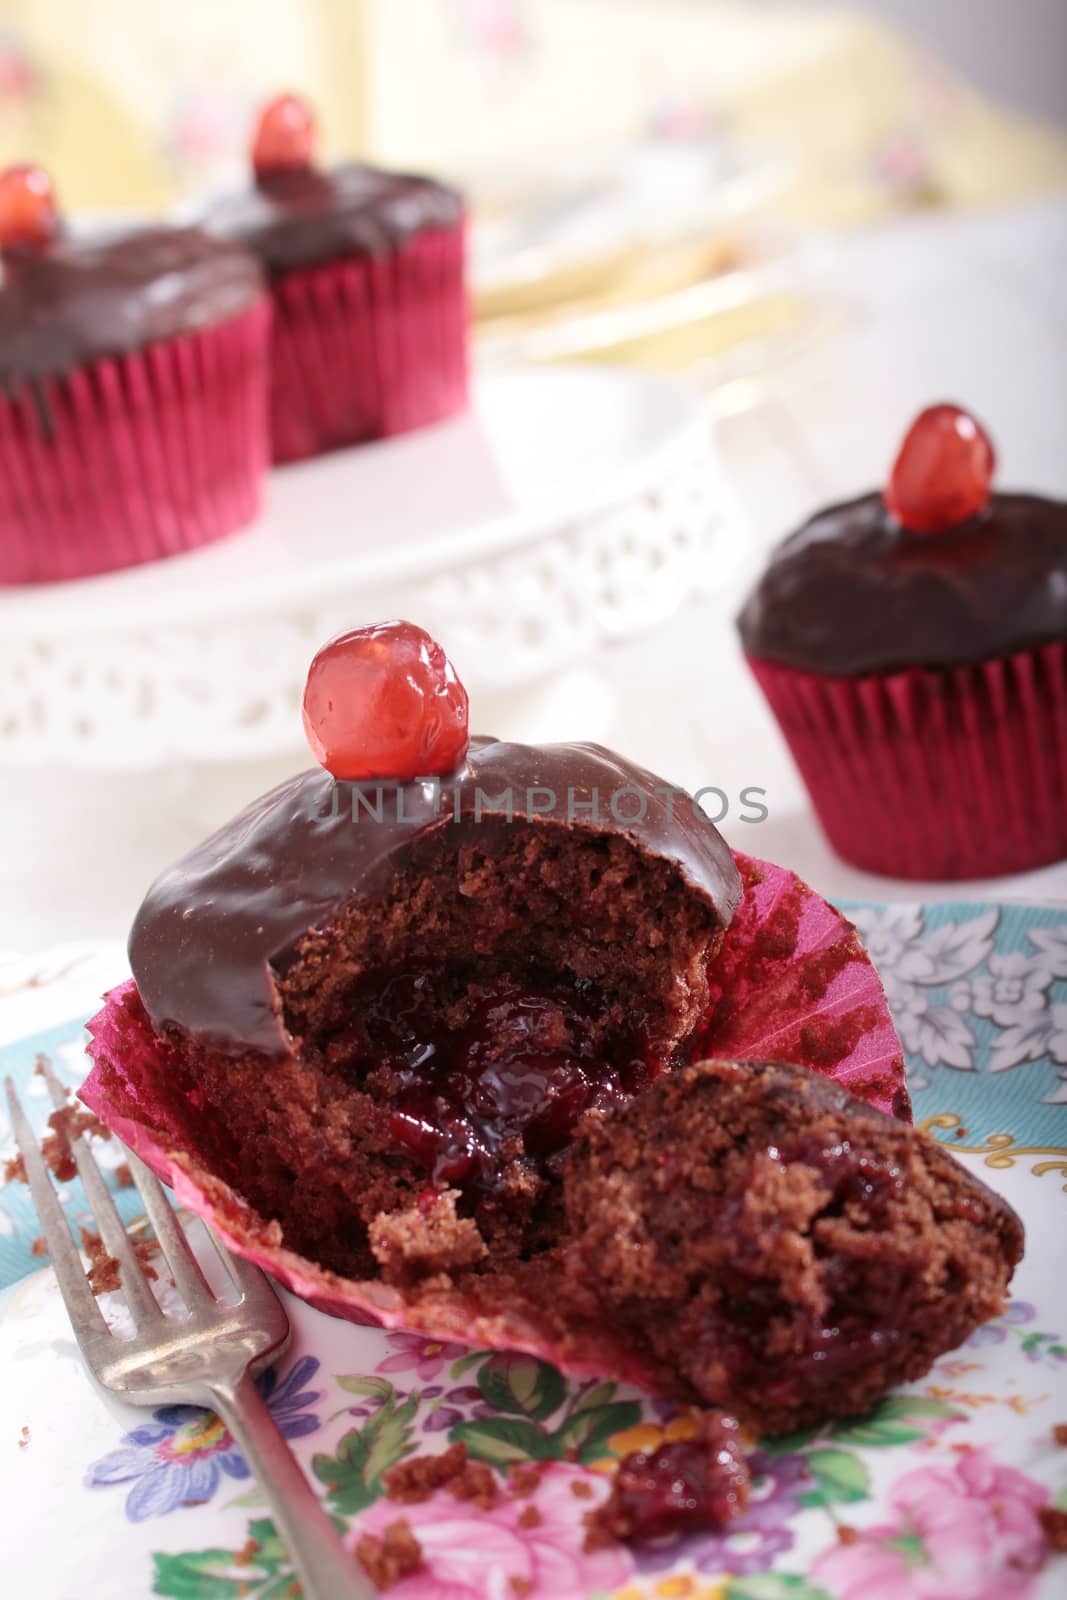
(326, 1569)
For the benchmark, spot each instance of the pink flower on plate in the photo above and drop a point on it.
(412, 1352)
(473, 1555)
(965, 1532)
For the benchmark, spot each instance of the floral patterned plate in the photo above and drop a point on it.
(933, 1496)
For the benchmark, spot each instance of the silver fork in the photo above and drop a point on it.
(207, 1357)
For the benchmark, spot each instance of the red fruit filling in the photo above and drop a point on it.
(509, 1084)
(943, 475)
(285, 136)
(683, 1487)
(787, 1248)
(28, 214)
(385, 702)
(452, 1032)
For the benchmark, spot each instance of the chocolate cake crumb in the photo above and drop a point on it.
(15, 1169)
(247, 1553)
(416, 1479)
(524, 1478)
(397, 1554)
(105, 1273)
(580, 1489)
(1054, 1524)
(426, 1238)
(520, 1585)
(846, 1534)
(598, 1536)
(571, 1453)
(529, 1517)
(747, 1209)
(24, 1436)
(39, 1247)
(477, 1484)
(123, 1176)
(67, 1123)
(1059, 1433)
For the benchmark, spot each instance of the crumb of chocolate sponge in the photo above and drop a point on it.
(24, 1436)
(524, 1478)
(520, 1585)
(247, 1553)
(1059, 1433)
(745, 1211)
(65, 1124)
(580, 1489)
(15, 1169)
(395, 1555)
(419, 1477)
(425, 1239)
(1054, 1524)
(39, 1247)
(529, 1517)
(123, 1176)
(105, 1273)
(846, 1534)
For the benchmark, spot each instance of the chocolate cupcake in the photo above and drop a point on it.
(386, 1031)
(421, 1045)
(913, 648)
(367, 272)
(132, 390)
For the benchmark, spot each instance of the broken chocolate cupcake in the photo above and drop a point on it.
(386, 1032)
(788, 1251)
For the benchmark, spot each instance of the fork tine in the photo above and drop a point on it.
(246, 1277)
(193, 1286)
(144, 1308)
(78, 1297)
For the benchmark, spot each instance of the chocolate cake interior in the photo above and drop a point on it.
(791, 1250)
(451, 1034)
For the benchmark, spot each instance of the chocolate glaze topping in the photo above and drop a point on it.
(300, 218)
(212, 928)
(80, 300)
(851, 593)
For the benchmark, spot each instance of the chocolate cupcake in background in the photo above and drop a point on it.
(367, 272)
(132, 390)
(913, 648)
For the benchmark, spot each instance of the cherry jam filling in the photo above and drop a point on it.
(510, 1082)
(850, 1335)
(683, 1487)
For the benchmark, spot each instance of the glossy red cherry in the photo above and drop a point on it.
(28, 214)
(943, 474)
(682, 1487)
(285, 136)
(385, 702)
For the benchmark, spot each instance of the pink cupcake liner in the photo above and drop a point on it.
(127, 460)
(370, 347)
(791, 983)
(937, 774)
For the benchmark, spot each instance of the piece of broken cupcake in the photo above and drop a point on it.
(501, 1043)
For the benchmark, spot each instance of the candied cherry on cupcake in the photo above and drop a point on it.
(366, 268)
(912, 646)
(132, 389)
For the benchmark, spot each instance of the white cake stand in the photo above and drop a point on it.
(568, 506)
